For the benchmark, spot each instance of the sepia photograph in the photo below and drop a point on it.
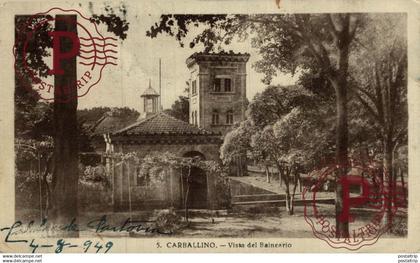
(133, 123)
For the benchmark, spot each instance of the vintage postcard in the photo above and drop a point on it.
(210, 126)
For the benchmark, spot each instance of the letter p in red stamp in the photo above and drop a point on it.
(365, 211)
(70, 48)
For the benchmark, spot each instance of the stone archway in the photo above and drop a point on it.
(197, 196)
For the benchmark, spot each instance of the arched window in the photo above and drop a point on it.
(229, 117)
(215, 117)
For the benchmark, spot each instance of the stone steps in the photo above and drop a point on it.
(282, 202)
(257, 197)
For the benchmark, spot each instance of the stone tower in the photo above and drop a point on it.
(217, 90)
(150, 102)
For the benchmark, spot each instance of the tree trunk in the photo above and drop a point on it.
(403, 186)
(187, 191)
(47, 187)
(65, 175)
(284, 173)
(388, 181)
(289, 207)
(340, 85)
(267, 173)
(338, 79)
(296, 181)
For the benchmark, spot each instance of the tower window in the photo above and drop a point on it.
(222, 83)
(229, 117)
(194, 87)
(217, 85)
(228, 87)
(215, 117)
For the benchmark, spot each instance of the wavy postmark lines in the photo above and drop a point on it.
(98, 51)
(85, 44)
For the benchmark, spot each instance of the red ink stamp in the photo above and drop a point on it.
(84, 46)
(368, 205)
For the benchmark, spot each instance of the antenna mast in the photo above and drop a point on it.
(160, 84)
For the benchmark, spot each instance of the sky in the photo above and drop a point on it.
(138, 61)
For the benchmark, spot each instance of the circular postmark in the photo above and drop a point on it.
(61, 54)
(368, 205)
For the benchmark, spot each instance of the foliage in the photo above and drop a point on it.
(379, 70)
(94, 188)
(26, 189)
(94, 174)
(91, 115)
(167, 221)
(180, 109)
(33, 119)
(275, 101)
(302, 136)
(64, 124)
(237, 142)
(116, 23)
(167, 159)
(179, 25)
(285, 42)
(285, 128)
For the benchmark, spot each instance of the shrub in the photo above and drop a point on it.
(95, 192)
(168, 221)
(26, 189)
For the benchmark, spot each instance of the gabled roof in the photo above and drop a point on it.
(162, 124)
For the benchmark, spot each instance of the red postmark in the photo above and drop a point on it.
(367, 200)
(92, 50)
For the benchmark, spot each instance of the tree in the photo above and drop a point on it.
(284, 128)
(380, 65)
(65, 173)
(320, 42)
(302, 136)
(66, 142)
(180, 109)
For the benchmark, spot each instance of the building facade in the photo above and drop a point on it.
(160, 134)
(217, 99)
(155, 132)
(217, 90)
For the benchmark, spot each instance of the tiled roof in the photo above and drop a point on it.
(162, 123)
